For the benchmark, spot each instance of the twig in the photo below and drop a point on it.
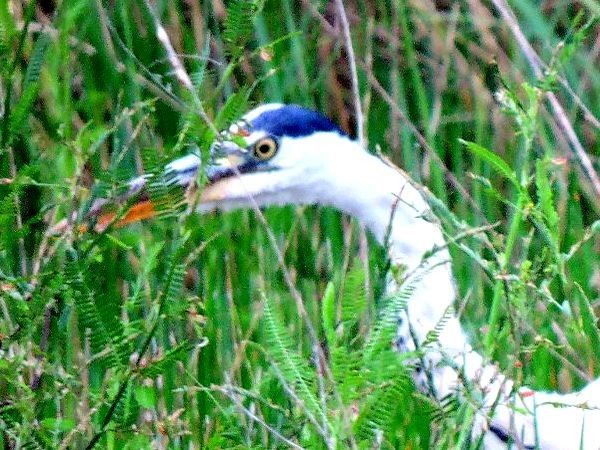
(397, 111)
(536, 65)
(353, 73)
(563, 359)
(321, 428)
(587, 114)
(177, 66)
(163, 37)
(18, 218)
(255, 418)
(329, 29)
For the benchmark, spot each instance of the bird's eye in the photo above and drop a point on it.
(265, 148)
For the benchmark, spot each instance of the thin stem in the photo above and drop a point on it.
(227, 392)
(177, 66)
(320, 355)
(494, 318)
(397, 111)
(559, 113)
(353, 73)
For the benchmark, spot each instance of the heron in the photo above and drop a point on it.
(281, 154)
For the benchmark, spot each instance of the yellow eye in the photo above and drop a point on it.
(265, 148)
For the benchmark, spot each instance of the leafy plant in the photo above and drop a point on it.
(181, 331)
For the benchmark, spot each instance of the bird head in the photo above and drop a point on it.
(276, 154)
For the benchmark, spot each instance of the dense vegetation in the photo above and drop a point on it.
(185, 331)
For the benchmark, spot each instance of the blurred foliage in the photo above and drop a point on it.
(181, 332)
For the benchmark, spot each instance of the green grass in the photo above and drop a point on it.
(182, 332)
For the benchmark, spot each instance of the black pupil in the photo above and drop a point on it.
(264, 148)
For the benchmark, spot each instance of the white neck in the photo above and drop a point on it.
(383, 199)
(327, 169)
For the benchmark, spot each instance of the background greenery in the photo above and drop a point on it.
(183, 332)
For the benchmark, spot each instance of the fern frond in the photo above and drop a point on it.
(174, 283)
(235, 106)
(38, 56)
(385, 329)
(239, 25)
(346, 362)
(291, 365)
(348, 372)
(433, 336)
(167, 196)
(354, 297)
(11, 426)
(174, 355)
(124, 406)
(30, 85)
(199, 75)
(106, 340)
(382, 406)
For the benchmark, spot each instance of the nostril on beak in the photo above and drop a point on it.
(225, 148)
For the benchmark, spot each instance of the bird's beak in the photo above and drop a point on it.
(229, 162)
(227, 159)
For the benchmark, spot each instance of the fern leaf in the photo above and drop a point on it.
(385, 329)
(30, 85)
(239, 25)
(159, 366)
(434, 335)
(379, 410)
(202, 72)
(348, 372)
(123, 410)
(354, 298)
(235, 106)
(168, 197)
(38, 56)
(111, 343)
(290, 364)
(174, 283)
